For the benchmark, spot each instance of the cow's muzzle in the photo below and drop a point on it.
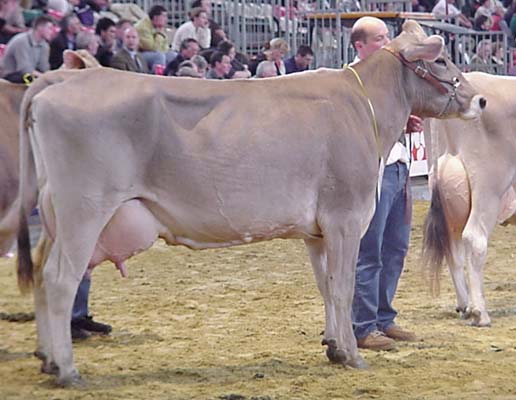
(477, 104)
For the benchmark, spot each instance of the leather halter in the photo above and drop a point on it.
(425, 74)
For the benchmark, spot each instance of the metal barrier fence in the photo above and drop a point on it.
(325, 25)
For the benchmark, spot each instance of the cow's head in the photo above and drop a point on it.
(435, 84)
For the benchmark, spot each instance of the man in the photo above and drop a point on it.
(220, 66)
(197, 28)
(106, 30)
(70, 27)
(128, 58)
(26, 54)
(385, 244)
(301, 61)
(445, 9)
(217, 33)
(189, 48)
(153, 38)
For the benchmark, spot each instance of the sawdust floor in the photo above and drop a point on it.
(245, 323)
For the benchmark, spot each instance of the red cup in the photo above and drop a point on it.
(159, 69)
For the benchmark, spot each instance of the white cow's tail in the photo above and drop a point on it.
(28, 189)
(436, 240)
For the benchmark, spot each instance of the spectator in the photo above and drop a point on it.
(201, 64)
(196, 28)
(11, 20)
(189, 48)
(445, 9)
(238, 70)
(266, 69)
(277, 50)
(217, 33)
(121, 26)
(301, 61)
(153, 38)
(87, 40)
(83, 11)
(70, 27)
(483, 23)
(220, 65)
(188, 69)
(106, 30)
(128, 58)
(482, 59)
(26, 54)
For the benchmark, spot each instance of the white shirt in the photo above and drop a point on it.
(440, 10)
(187, 31)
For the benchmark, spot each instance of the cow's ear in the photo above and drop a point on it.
(429, 49)
(72, 60)
(411, 26)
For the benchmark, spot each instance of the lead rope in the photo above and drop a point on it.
(381, 161)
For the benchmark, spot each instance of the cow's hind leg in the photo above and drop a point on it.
(341, 243)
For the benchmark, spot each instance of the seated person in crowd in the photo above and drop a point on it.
(153, 38)
(483, 23)
(121, 26)
(481, 60)
(83, 11)
(278, 48)
(266, 69)
(106, 30)
(197, 28)
(188, 69)
(87, 40)
(445, 9)
(220, 65)
(201, 64)
(128, 58)
(189, 48)
(217, 33)
(26, 55)
(238, 70)
(301, 61)
(11, 20)
(65, 39)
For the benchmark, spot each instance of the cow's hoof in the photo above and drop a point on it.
(461, 311)
(480, 321)
(40, 355)
(331, 351)
(73, 380)
(50, 368)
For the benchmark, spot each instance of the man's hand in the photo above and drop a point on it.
(414, 124)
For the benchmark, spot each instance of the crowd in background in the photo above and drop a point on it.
(124, 37)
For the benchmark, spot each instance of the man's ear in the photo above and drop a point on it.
(429, 49)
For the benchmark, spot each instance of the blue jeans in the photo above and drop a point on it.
(382, 253)
(80, 305)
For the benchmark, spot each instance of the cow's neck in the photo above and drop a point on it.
(386, 87)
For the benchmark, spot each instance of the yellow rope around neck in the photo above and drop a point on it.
(371, 108)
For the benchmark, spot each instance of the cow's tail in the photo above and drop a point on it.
(436, 240)
(28, 188)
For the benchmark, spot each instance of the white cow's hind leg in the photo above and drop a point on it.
(456, 267)
(475, 243)
(341, 239)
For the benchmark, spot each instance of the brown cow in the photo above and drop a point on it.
(123, 159)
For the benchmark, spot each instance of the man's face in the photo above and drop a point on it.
(303, 62)
(160, 21)
(201, 21)
(46, 31)
(74, 26)
(131, 39)
(191, 50)
(224, 66)
(109, 35)
(120, 30)
(377, 36)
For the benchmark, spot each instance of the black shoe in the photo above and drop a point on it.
(79, 334)
(87, 324)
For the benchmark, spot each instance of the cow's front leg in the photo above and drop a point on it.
(61, 286)
(342, 250)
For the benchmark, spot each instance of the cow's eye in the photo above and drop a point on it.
(440, 61)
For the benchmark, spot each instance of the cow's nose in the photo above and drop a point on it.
(482, 102)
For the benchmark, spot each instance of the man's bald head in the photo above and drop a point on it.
(369, 34)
